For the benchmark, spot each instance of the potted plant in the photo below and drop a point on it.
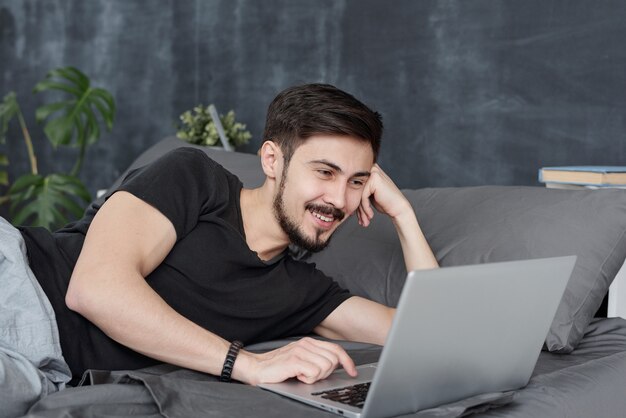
(199, 127)
(49, 200)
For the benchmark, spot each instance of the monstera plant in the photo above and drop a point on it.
(49, 200)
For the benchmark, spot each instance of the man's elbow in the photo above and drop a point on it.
(81, 297)
(74, 297)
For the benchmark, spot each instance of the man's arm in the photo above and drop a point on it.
(126, 241)
(359, 319)
(381, 192)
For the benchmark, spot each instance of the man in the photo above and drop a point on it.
(181, 260)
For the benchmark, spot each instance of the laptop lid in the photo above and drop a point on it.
(458, 332)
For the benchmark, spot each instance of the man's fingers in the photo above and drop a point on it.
(366, 204)
(358, 215)
(325, 356)
(308, 360)
(384, 195)
(339, 355)
(365, 211)
(307, 372)
(347, 363)
(326, 360)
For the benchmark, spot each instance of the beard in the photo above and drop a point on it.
(293, 230)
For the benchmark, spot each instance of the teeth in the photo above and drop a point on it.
(322, 217)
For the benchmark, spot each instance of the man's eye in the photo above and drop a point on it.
(357, 183)
(325, 173)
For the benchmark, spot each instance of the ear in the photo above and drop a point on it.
(271, 159)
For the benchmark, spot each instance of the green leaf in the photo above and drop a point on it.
(93, 130)
(77, 123)
(23, 182)
(71, 205)
(47, 201)
(72, 74)
(106, 97)
(44, 111)
(54, 85)
(70, 185)
(20, 217)
(109, 117)
(60, 130)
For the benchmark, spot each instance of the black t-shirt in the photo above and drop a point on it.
(210, 276)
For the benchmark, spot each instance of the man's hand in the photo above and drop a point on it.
(308, 360)
(381, 192)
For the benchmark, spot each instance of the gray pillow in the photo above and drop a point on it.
(495, 223)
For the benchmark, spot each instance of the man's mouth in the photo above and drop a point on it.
(322, 217)
(325, 213)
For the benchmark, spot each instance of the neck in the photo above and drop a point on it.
(263, 233)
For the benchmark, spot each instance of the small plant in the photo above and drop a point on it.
(48, 200)
(198, 128)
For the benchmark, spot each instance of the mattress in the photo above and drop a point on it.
(591, 381)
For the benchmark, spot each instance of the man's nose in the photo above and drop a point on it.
(336, 195)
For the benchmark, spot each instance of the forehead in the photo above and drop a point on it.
(348, 153)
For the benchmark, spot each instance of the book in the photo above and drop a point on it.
(574, 186)
(584, 175)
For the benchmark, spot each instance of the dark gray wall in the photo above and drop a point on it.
(472, 92)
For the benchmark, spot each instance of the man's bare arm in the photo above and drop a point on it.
(358, 319)
(381, 192)
(126, 241)
(415, 249)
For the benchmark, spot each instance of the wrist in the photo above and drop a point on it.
(243, 369)
(405, 217)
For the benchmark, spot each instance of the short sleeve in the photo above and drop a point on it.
(318, 296)
(183, 185)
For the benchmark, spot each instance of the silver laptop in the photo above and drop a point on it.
(458, 332)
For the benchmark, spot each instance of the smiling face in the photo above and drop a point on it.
(321, 186)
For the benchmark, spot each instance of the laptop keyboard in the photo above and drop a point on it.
(350, 395)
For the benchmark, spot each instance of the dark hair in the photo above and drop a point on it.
(300, 112)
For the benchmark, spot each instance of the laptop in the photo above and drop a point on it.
(458, 332)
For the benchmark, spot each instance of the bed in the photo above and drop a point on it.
(580, 373)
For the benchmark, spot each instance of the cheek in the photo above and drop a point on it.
(295, 196)
(308, 191)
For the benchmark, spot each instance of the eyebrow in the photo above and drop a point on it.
(338, 169)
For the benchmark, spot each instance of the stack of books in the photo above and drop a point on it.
(579, 177)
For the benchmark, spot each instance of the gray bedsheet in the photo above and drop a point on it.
(589, 382)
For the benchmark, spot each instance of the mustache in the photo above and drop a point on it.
(338, 214)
